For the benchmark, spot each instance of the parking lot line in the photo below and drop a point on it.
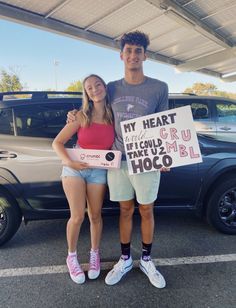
(57, 269)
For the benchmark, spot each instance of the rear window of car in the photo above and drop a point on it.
(43, 120)
(6, 122)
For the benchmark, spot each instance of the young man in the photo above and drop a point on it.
(133, 96)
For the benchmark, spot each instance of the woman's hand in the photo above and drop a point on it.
(72, 116)
(77, 165)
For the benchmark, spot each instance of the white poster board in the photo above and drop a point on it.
(164, 139)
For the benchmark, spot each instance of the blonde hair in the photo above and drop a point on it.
(87, 106)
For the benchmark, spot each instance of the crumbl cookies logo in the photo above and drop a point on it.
(82, 156)
(93, 156)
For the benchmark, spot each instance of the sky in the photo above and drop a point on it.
(44, 60)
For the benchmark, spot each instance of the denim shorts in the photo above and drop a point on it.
(124, 187)
(96, 176)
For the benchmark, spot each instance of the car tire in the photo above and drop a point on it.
(10, 217)
(221, 207)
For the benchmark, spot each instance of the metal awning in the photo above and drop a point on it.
(192, 35)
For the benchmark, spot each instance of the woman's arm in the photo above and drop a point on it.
(58, 145)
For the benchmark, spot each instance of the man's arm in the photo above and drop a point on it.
(162, 106)
(163, 102)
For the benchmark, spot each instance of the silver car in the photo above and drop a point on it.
(213, 116)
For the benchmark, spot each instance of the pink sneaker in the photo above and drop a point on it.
(94, 264)
(76, 273)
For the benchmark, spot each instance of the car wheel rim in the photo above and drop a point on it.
(227, 208)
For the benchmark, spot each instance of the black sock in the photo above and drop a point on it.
(125, 250)
(146, 251)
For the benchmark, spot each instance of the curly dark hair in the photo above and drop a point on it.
(135, 38)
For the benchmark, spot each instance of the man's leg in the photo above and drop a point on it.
(126, 223)
(125, 263)
(121, 189)
(126, 220)
(146, 188)
(147, 222)
(147, 230)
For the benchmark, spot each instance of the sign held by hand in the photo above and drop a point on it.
(165, 139)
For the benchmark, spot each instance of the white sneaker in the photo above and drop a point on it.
(154, 276)
(118, 271)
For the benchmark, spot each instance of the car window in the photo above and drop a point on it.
(226, 112)
(6, 122)
(200, 108)
(44, 120)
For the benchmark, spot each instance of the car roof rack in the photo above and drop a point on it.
(38, 94)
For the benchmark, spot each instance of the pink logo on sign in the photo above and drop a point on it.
(82, 156)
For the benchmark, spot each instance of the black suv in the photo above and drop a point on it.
(30, 185)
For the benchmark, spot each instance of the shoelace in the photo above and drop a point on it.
(93, 260)
(120, 265)
(152, 268)
(76, 269)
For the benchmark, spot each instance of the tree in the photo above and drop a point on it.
(9, 82)
(200, 88)
(75, 86)
(208, 89)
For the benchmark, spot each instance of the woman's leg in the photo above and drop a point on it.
(95, 197)
(75, 190)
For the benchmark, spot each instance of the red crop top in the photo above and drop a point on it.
(96, 136)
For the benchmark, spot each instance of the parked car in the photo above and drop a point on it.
(30, 185)
(213, 116)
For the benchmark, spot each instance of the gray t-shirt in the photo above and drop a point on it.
(131, 101)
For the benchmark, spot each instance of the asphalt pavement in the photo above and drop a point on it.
(197, 262)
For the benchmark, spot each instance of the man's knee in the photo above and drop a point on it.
(146, 211)
(127, 208)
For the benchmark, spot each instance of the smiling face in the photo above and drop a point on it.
(95, 89)
(133, 57)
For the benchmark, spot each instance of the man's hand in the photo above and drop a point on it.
(164, 169)
(72, 116)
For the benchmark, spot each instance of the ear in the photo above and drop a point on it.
(121, 55)
(145, 57)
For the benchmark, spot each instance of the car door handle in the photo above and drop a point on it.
(6, 155)
(206, 128)
(225, 128)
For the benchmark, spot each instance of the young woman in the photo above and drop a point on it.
(81, 183)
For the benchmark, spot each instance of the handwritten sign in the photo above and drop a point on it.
(164, 139)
